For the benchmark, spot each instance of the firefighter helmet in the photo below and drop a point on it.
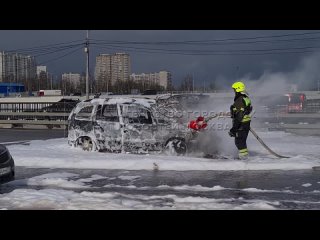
(239, 86)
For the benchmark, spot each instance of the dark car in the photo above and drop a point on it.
(6, 165)
(150, 92)
(64, 105)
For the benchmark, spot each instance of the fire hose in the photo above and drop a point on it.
(265, 145)
(257, 137)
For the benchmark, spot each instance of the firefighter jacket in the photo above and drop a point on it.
(240, 110)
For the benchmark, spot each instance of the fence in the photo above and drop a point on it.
(36, 113)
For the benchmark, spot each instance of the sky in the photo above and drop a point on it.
(221, 67)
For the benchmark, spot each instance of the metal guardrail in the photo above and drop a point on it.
(36, 118)
(36, 106)
(35, 113)
(47, 119)
(33, 122)
(49, 113)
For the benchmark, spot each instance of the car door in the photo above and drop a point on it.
(80, 122)
(107, 128)
(139, 126)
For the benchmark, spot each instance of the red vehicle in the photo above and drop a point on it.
(286, 103)
(296, 102)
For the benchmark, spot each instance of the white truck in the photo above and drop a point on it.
(49, 93)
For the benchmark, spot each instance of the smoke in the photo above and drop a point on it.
(308, 72)
(267, 84)
(216, 139)
(305, 77)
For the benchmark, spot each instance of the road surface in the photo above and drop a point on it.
(298, 189)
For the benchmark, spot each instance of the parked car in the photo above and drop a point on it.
(64, 105)
(124, 125)
(149, 92)
(7, 167)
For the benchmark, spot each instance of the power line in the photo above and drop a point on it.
(58, 50)
(212, 40)
(69, 53)
(42, 46)
(280, 41)
(11, 71)
(214, 52)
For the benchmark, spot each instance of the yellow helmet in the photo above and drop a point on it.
(239, 86)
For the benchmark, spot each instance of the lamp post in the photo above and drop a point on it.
(192, 82)
(86, 49)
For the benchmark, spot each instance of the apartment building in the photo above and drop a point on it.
(110, 69)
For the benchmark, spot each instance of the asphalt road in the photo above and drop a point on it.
(292, 189)
(19, 135)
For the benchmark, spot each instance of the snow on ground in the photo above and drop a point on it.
(69, 200)
(57, 195)
(53, 180)
(68, 191)
(56, 153)
(196, 188)
(307, 185)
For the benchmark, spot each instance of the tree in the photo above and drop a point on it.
(187, 83)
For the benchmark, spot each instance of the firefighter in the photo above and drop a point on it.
(240, 114)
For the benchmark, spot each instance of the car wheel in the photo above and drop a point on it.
(86, 144)
(176, 146)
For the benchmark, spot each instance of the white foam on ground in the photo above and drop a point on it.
(128, 177)
(56, 180)
(56, 153)
(69, 200)
(58, 195)
(307, 185)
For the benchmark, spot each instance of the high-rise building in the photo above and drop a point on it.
(110, 69)
(103, 72)
(17, 68)
(41, 69)
(73, 79)
(162, 78)
(165, 79)
(43, 81)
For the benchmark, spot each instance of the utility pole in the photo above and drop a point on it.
(86, 49)
(237, 72)
(51, 81)
(107, 85)
(192, 82)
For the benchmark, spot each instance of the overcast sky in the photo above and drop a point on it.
(206, 68)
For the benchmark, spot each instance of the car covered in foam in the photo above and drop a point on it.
(119, 124)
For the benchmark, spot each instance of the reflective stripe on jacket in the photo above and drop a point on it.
(241, 109)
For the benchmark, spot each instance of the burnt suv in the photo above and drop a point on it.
(124, 125)
(7, 167)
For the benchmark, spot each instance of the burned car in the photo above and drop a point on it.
(124, 125)
(7, 167)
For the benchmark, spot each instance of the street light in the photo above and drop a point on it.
(86, 49)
